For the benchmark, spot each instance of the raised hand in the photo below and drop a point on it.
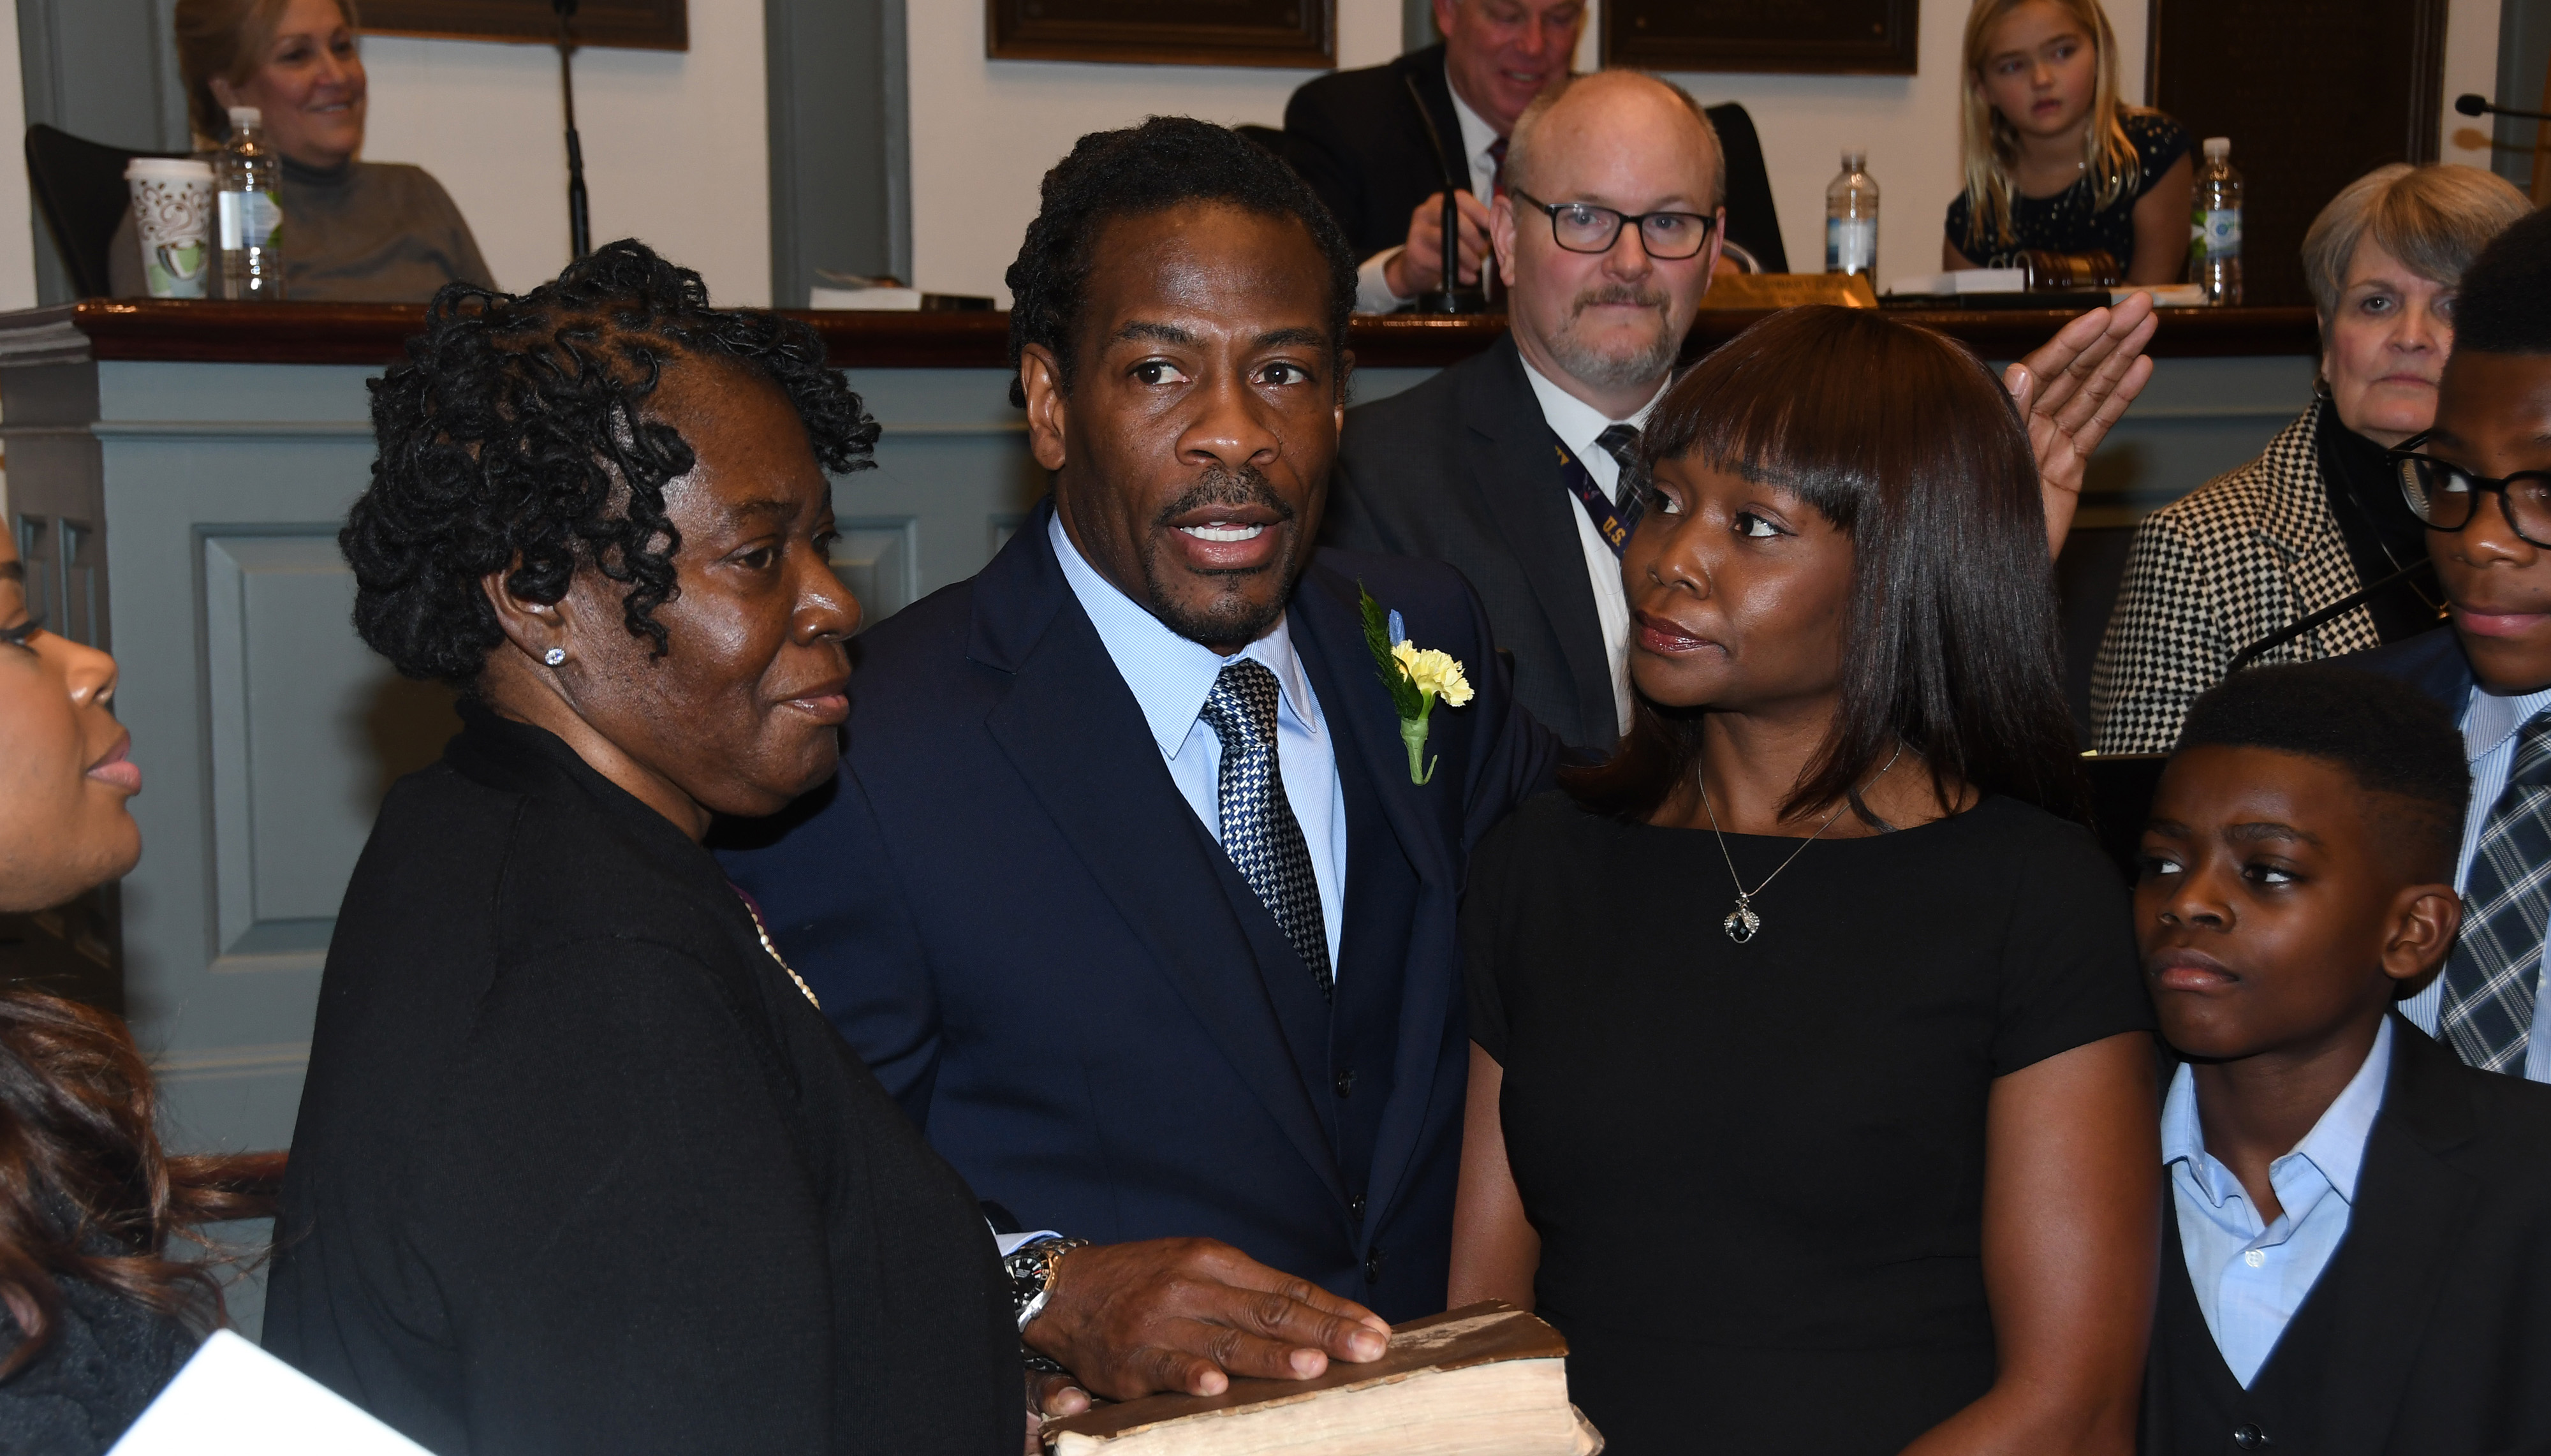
(2071, 389)
(1187, 1314)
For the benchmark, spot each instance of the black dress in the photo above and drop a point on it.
(580, 1169)
(1758, 1171)
(2071, 221)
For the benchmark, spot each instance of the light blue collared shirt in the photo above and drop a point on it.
(1170, 678)
(2251, 1276)
(2490, 725)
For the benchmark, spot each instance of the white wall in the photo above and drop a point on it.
(983, 132)
(677, 145)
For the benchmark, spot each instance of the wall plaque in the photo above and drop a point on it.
(1810, 36)
(643, 25)
(1275, 33)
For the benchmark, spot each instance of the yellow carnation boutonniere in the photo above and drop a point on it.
(1415, 678)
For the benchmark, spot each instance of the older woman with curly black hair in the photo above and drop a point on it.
(580, 1165)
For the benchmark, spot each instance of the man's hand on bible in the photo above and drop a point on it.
(1418, 266)
(2071, 390)
(1187, 1314)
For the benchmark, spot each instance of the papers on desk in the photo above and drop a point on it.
(1963, 280)
(883, 299)
(234, 1400)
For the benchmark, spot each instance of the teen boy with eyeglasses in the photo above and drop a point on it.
(2482, 481)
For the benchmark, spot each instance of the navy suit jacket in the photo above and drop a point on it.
(2431, 662)
(1008, 909)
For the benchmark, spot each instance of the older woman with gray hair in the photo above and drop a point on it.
(2317, 517)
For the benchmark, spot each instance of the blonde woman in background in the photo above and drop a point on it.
(2056, 162)
(353, 231)
(2319, 516)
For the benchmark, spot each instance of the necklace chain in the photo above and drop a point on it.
(764, 931)
(1742, 923)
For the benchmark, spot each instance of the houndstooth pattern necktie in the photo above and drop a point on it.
(1630, 496)
(1258, 830)
(2493, 976)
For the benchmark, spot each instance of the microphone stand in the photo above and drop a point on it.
(2330, 613)
(2472, 103)
(580, 226)
(1448, 297)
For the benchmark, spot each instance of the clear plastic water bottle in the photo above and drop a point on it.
(2214, 224)
(249, 220)
(1851, 219)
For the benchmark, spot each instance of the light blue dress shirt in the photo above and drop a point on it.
(2489, 724)
(1170, 678)
(2251, 1276)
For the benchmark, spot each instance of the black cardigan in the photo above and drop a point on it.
(578, 1169)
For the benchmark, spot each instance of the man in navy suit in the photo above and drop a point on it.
(1127, 887)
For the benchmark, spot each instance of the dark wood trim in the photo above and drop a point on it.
(1014, 31)
(1813, 49)
(196, 331)
(631, 25)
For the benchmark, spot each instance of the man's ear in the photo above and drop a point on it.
(535, 628)
(1501, 237)
(2423, 922)
(1041, 380)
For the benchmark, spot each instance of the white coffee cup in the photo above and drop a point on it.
(172, 210)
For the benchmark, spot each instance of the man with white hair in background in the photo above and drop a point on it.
(1521, 466)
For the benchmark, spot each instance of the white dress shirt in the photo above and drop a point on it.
(1577, 423)
(1373, 288)
(2489, 724)
(1170, 678)
(2250, 1275)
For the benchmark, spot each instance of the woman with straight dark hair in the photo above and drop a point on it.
(1812, 1093)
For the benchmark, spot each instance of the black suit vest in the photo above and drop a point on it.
(2192, 1405)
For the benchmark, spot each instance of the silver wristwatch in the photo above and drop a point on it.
(1031, 1268)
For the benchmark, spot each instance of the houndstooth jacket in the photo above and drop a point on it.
(2236, 558)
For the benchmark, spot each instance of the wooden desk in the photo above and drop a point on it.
(178, 472)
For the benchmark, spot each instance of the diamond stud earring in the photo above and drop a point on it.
(554, 655)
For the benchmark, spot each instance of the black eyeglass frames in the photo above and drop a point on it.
(2446, 496)
(1584, 227)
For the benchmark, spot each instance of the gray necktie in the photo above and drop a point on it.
(1629, 497)
(1258, 830)
(2492, 976)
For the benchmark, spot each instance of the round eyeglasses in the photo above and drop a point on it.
(1582, 227)
(2446, 496)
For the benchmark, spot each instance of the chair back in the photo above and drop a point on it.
(79, 186)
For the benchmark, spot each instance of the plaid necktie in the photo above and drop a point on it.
(2490, 979)
(1630, 496)
(1258, 830)
(1497, 172)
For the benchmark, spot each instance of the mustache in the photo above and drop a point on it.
(1220, 486)
(1620, 293)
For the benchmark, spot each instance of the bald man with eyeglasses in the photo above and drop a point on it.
(1521, 466)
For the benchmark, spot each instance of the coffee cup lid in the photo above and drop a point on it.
(168, 170)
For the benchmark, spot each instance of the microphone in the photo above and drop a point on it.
(1447, 298)
(2330, 613)
(2472, 103)
(579, 228)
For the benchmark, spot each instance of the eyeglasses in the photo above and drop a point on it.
(1582, 227)
(2446, 496)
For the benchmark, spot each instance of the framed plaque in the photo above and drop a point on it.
(1809, 37)
(641, 24)
(1282, 33)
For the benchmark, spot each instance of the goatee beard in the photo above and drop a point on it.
(1230, 618)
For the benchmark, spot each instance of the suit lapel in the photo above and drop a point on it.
(1510, 450)
(2401, 1236)
(1074, 730)
(1328, 632)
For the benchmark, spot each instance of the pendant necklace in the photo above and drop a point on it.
(1742, 923)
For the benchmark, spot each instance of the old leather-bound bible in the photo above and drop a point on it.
(1483, 1380)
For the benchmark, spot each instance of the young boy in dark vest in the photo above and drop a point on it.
(2358, 1253)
